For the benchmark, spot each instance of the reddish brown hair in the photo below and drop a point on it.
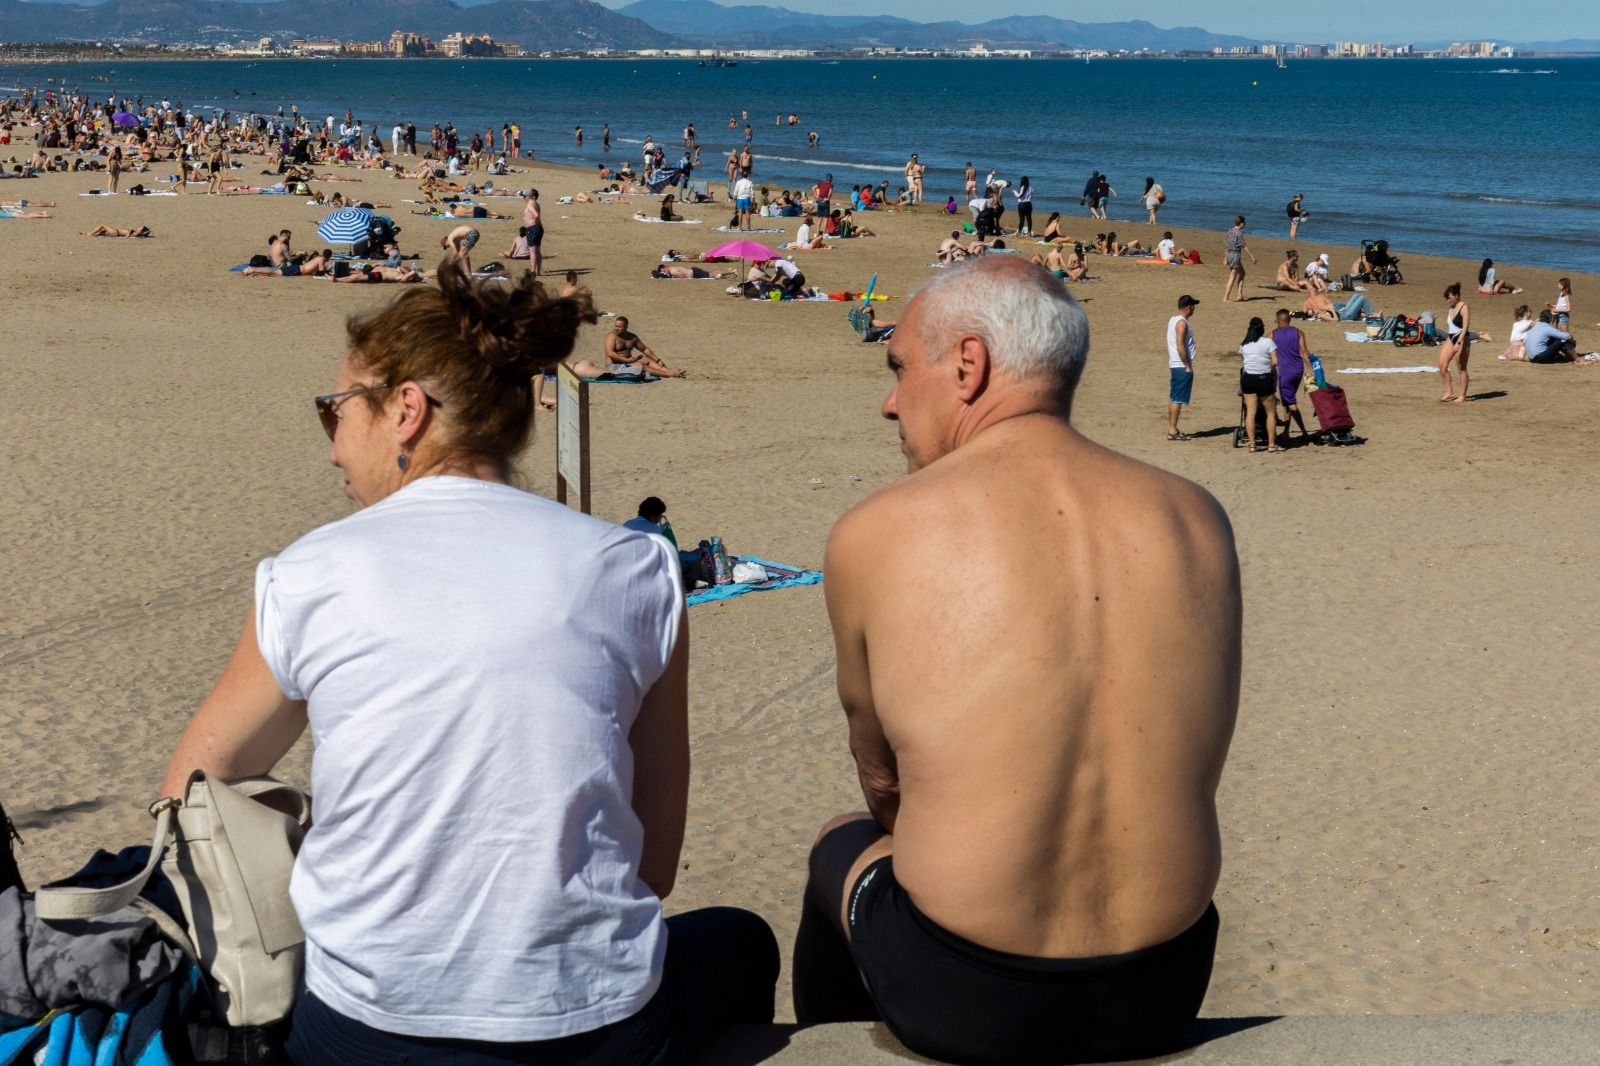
(475, 346)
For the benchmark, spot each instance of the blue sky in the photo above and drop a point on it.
(1306, 20)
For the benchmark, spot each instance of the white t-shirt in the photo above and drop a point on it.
(473, 658)
(744, 189)
(1258, 356)
(1520, 328)
(802, 237)
(1165, 249)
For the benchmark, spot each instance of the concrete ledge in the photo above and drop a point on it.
(1403, 1040)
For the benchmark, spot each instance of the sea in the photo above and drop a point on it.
(1467, 158)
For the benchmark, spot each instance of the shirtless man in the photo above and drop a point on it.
(458, 245)
(674, 272)
(626, 349)
(914, 172)
(1045, 786)
(1288, 277)
(533, 222)
(950, 250)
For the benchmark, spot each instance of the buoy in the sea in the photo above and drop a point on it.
(1254, 84)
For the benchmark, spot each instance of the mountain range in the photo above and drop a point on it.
(577, 25)
(761, 26)
(541, 25)
(563, 25)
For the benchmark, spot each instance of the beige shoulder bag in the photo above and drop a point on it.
(232, 850)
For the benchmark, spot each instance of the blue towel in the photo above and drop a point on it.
(782, 577)
(92, 1036)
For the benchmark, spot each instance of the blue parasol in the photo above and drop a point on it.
(348, 225)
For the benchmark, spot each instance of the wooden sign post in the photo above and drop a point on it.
(572, 436)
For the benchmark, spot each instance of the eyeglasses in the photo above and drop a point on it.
(328, 406)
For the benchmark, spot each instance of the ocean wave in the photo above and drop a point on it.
(1488, 198)
(1504, 70)
(761, 157)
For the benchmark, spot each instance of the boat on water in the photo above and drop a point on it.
(719, 60)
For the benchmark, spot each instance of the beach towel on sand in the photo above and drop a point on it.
(779, 576)
(640, 216)
(736, 229)
(1389, 370)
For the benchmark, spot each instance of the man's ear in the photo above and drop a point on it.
(971, 359)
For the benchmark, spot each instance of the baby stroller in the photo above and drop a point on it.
(1242, 435)
(1333, 417)
(1382, 268)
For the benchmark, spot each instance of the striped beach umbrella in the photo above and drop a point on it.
(348, 225)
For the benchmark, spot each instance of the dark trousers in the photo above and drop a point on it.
(1025, 218)
(721, 970)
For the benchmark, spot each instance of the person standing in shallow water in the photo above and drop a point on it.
(1031, 881)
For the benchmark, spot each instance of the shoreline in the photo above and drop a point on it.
(1398, 823)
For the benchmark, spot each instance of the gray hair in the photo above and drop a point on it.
(1032, 326)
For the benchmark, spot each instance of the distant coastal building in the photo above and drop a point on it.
(405, 43)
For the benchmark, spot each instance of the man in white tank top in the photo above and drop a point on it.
(1180, 363)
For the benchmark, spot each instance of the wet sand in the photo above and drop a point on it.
(1405, 817)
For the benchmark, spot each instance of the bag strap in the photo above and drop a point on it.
(67, 903)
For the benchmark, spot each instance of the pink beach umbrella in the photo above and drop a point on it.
(744, 251)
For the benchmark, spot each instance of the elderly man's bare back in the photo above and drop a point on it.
(1039, 628)
(1038, 659)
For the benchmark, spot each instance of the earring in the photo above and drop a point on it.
(402, 462)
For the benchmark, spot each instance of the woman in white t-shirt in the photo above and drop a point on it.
(1258, 382)
(496, 686)
(1517, 350)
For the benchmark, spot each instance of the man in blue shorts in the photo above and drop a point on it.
(1180, 363)
(744, 191)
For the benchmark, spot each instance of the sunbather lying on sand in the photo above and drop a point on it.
(462, 211)
(104, 230)
(374, 273)
(673, 271)
(315, 266)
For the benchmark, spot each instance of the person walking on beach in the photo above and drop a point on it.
(1031, 880)
(114, 170)
(1180, 363)
(533, 225)
(1258, 382)
(1291, 348)
(914, 172)
(1091, 189)
(397, 137)
(1154, 197)
(411, 138)
(1457, 344)
(1296, 213)
(510, 784)
(1233, 252)
(1102, 197)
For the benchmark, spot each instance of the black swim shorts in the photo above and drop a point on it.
(956, 1001)
(535, 235)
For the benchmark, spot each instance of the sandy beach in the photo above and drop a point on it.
(1404, 821)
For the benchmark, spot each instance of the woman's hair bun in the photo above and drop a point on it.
(516, 327)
